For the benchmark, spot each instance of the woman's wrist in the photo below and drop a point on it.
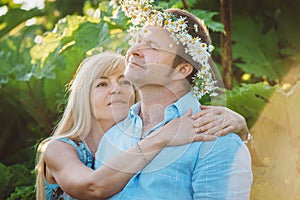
(242, 128)
(142, 153)
(151, 145)
(159, 139)
(244, 134)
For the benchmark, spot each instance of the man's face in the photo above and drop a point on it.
(149, 61)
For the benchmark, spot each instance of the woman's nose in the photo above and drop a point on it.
(115, 88)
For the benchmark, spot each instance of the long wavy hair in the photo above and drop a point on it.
(76, 121)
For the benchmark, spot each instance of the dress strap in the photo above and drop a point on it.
(84, 154)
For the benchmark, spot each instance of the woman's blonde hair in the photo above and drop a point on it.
(77, 117)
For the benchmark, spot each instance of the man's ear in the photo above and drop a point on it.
(183, 70)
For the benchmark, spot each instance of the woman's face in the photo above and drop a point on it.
(111, 98)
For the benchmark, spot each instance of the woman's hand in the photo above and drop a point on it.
(181, 131)
(219, 121)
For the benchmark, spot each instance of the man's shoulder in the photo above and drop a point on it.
(186, 102)
(228, 144)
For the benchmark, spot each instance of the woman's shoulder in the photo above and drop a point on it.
(58, 142)
(56, 147)
(63, 141)
(59, 146)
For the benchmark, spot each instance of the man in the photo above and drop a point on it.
(162, 70)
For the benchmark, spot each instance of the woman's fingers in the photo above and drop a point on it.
(198, 114)
(208, 122)
(224, 131)
(217, 127)
(204, 111)
(215, 130)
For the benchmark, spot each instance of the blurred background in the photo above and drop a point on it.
(257, 53)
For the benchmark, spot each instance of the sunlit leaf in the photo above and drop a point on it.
(89, 35)
(119, 17)
(64, 68)
(207, 16)
(105, 9)
(12, 21)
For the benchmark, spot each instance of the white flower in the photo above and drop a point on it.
(196, 28)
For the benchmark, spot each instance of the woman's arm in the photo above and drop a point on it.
(83, 183)
(217, 120)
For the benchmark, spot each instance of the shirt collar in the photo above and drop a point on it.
(182, 105)
(135, 109)
(176, 109)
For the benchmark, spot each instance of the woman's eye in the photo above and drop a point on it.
(101, 84)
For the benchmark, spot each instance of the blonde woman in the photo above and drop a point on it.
(100, 97)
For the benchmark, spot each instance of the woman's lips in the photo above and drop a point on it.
(116, 102)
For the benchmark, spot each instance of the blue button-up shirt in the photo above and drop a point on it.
(219, 169)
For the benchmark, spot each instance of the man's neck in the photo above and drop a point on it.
(154, 100)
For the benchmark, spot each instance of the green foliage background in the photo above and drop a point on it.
(37, 61)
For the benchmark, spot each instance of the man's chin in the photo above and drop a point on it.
(134, 76)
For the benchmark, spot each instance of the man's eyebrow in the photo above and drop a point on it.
(148, 41)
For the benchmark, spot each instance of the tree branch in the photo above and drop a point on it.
(226, 44)
(185, 5)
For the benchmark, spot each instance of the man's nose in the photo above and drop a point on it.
(135, 50)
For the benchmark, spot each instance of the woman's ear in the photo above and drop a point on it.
(183, 70)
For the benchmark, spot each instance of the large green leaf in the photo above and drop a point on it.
(53, 41)
(207, 16)
(10, 21)
(255, 52)
(15, 56)
(105, 9)
(90, 35)
(65, 66)
(247, 99)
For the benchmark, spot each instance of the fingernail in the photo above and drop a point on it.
(218, 134)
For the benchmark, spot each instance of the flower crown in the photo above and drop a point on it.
(144, 11)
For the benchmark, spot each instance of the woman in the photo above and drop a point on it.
(100, 96)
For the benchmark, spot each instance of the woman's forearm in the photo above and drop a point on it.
(111, 177)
